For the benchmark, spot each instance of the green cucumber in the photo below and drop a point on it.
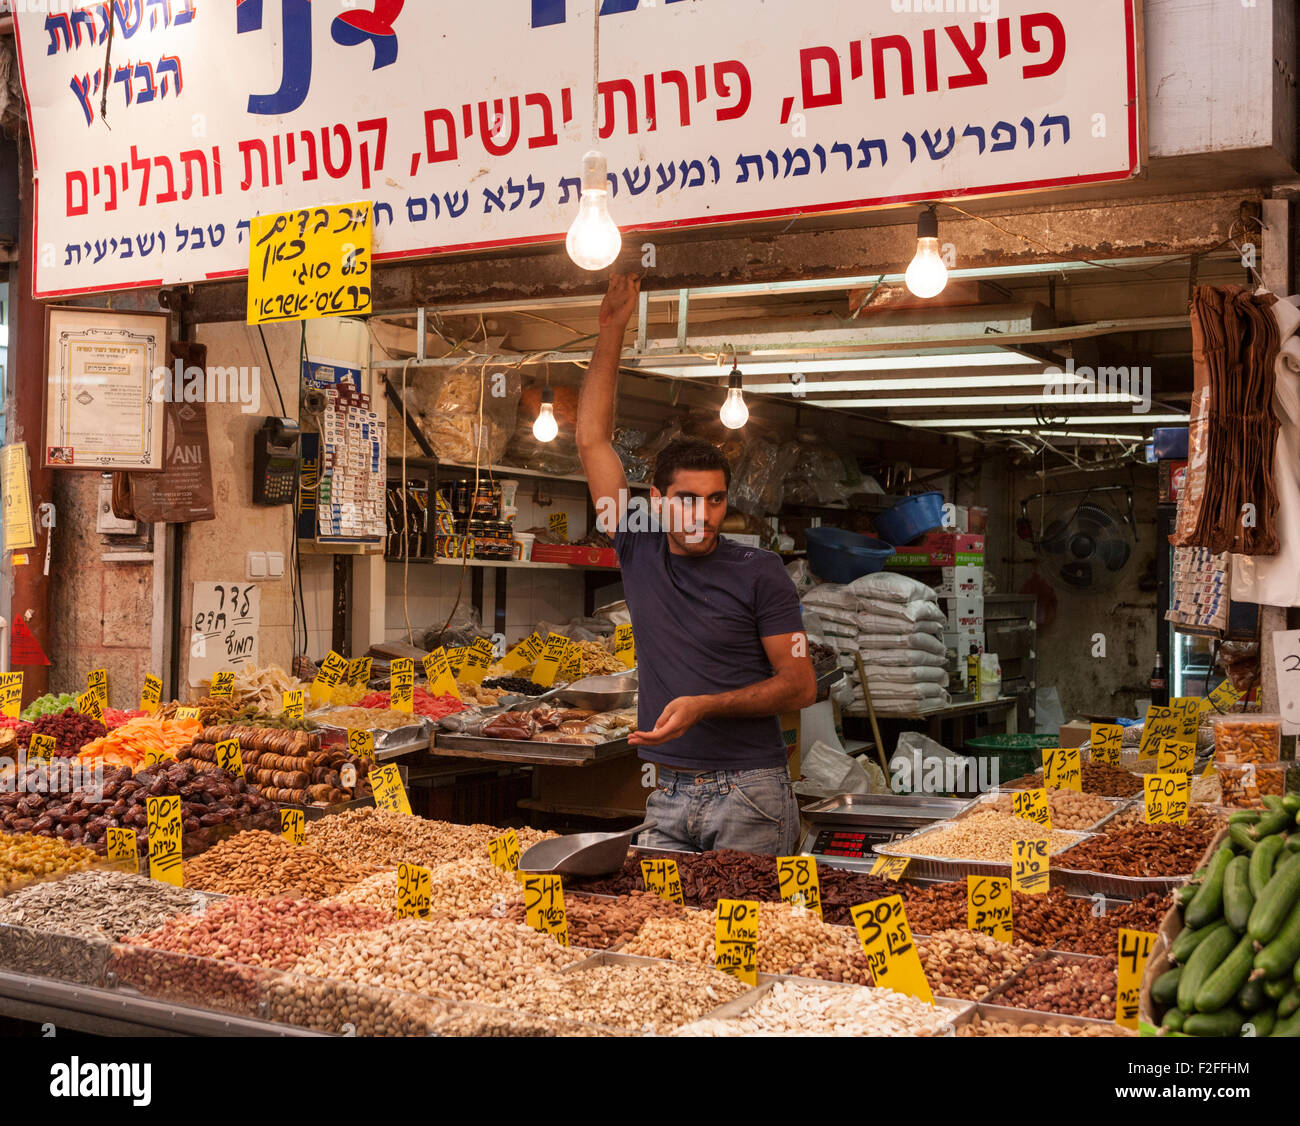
(1272, 908)
(1250, 997)
(1189, 938)
(1245, 817)
(1273, 803)
(1289, 1004)
(1185, 894)
(1237, 900)
(1164, 990)
(1228, 1022)
(1208, 903)
(1204, 961)
(1174, 1020)
(1282, 953)
(1262, 861)
(1263, 1023)
(1293, 843)
(1267, 826)
(1288, 1027)
(1276, 988)
(1240, 836)
(1291, 803)
(1228, 977)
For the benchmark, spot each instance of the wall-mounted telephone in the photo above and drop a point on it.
(275, 462)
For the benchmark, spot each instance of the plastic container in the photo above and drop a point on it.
(524, 540)
(509, 487)
(837, 556)
(508, 513)
(1016, 755)
(1244, 785)
(1247, 737)
(911, 518)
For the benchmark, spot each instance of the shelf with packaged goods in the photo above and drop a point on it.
(424, 464)
(510, 563)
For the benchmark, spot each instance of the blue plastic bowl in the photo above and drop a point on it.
(911, 518)
(837, 556)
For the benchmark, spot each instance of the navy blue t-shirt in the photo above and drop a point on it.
(698, 623)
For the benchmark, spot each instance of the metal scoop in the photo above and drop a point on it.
(582, 854)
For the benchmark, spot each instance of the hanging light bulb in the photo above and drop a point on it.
(927, 275)
(545, 427)
(594, 240)
(734, 413)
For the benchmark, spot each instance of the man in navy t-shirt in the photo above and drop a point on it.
(721, 651)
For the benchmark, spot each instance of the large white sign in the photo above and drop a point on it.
(466, 123)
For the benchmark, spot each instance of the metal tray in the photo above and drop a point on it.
(872, 809)
(386, 740)
(1030, 1016)
(1079, 882)
(924, 866)
(526, 751)
(1117, 804)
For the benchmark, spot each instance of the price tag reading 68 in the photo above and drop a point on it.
(988, 906)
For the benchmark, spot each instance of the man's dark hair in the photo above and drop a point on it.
(688, 453)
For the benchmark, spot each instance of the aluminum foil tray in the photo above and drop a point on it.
(923, 866)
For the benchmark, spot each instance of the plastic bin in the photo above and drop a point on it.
(911, 518)
(1016, 755)
(837, 556)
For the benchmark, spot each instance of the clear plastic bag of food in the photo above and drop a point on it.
(758, 476)
(447, 406)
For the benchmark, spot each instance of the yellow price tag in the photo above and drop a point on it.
(548, 664)
(988, 906)
(1187, 709)
(1032, 805)
(891, 951)
(389, 791)
(797, 882)
(359, 672)
(544, 907)
(88, 703)
(401, 680)
(1175, 756)
(310, 263)
(1161, 723)
(890, 867)
(523, 654)
(625, 645)
(293, 704)
(154, 756)
(571, 666)
(504, 851)
(1105, 743)
(229, 758)
(41, 747)
(456, 659)
(329, 676)
(1134, 949)
(735, 939)
(11, 694)
(151, 694)
(293, 825)
(1031, 867)
(361, 743)
(97, 682)
(662, 879)
(1209, 771)
(122, 846)
(1167, 797)
(187, 713)
(164, 816)
(223, 685)
(1062, 769)
(414, 891)
(558, 524)
(1222, 699)
(477, 659)
(438, 673)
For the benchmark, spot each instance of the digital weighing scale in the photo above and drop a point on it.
(843, 829)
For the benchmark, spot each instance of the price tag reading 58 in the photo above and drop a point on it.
(797, 880)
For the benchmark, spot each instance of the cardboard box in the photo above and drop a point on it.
(941, 549)
(1075, 733)
(963, 580)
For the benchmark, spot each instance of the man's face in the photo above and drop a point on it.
(693, 509)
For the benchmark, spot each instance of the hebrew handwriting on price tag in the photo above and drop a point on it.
(386, 783)
(1175, 757)
(401, 680)
(153, 756)
(11, 694)
(797, 882)
(329, 676)
(1223, 699)
(1105, 743)
(571, 666)
(890, 867)
(293, 704)
(891, 951)
(438, 672)
(523, 654)
(548, 664)
(1032, 805)
(361, 743)
(223, 685)
(97, 682)
(504, 851)
(293, 825)
(558, 524)
(414, 884)
(41, 747)
(1062, 769)
(88, 703)
(988, 906)
(735, 939)
(544, 907)
(625, 645)
(164, 819)
(662, 878)
(359, 672)
(1031, 867)
(1161, 723)
(151, 694)
(1187, 709)
(187, 713)
(477, 659)
(456, 659)
(123, 847)
(1167, 797)
(310, 263)
(1134, 949)
(229, 758)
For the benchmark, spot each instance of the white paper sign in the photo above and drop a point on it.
(224, 619)
(1286, 651)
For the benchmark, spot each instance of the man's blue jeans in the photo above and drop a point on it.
(750, 810)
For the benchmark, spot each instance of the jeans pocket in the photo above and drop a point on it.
(764, 796)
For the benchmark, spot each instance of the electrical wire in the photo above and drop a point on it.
(406, 526)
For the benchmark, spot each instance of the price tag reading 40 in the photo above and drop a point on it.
(1031, 805)
(548, 664)
(1104, 743)
(11, 694)
(662, 878)
(389, 791)
(414, 897)
(293, 825)
(1187, 709)
(504, 851)
(164, 816)
(1031, 867)
(797, 882)
(735, 939)
(1134, 949)
(544, 907)
(361, 743)
(229, 758)
(988, 906)
(401, 674)
(890, 949)
(1062, 769)
(1167, 797)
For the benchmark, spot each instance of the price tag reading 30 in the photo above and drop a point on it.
(988, 906)
(891, 951)
(735, 939)
(797, 882)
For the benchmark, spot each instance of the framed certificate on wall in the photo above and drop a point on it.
(105, 384)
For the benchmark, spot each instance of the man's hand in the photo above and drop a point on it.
(620, 300)
(675, 720)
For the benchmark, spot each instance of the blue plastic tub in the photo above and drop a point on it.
(837, 556)
(911, 518)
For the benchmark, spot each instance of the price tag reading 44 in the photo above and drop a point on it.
(1062, 769)
(1167, 796)
(1031, 805)
(413, 891)
(544, 907)
(890, 949)
(662, 878)
(1134, 949)
(504, 851)
(798, 884)
(164, 816)
(1104, 743)
(293, 825)
(402, 684)
(313, 263)
(1030, 867)
(389, 791)
(988, 906)
(735, 939)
